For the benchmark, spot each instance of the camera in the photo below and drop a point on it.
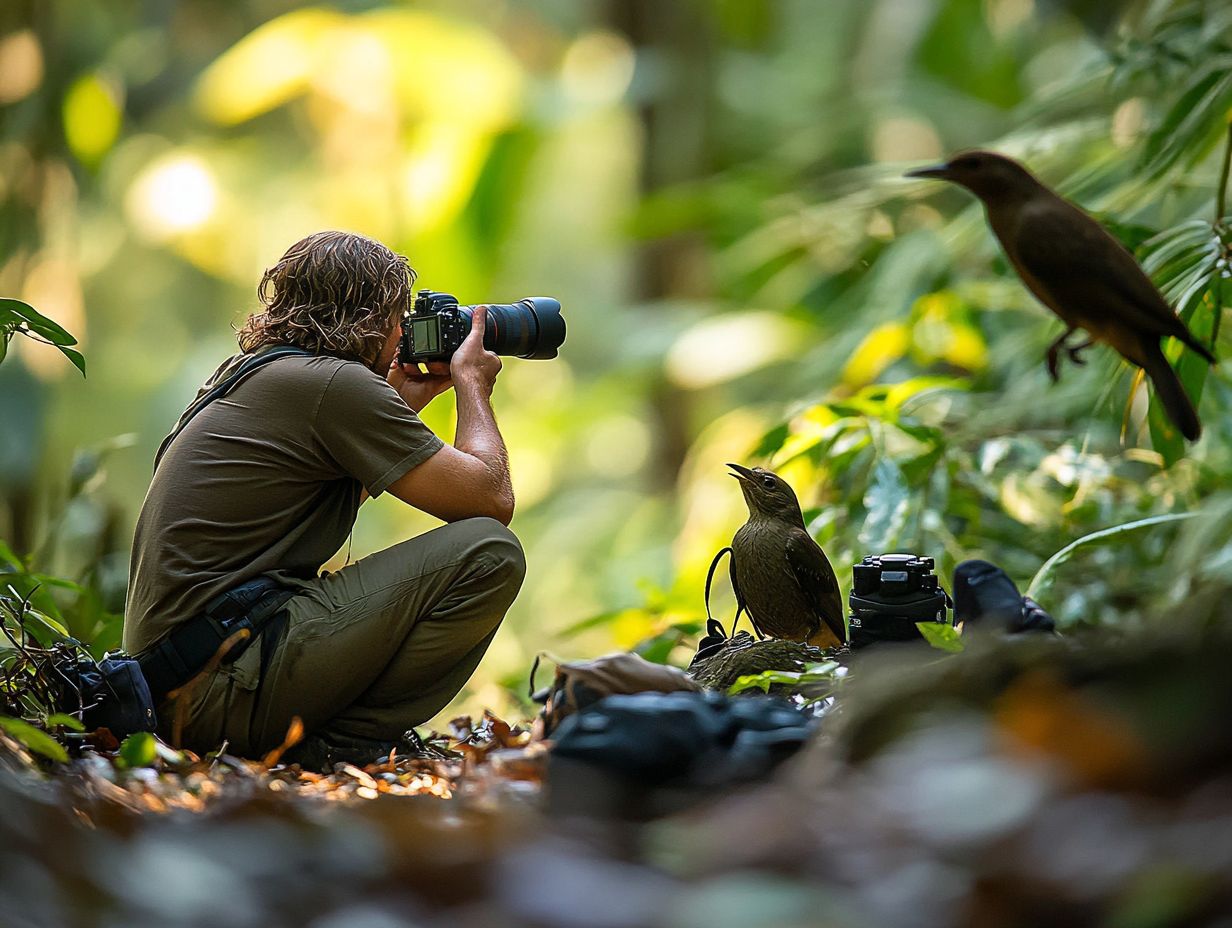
(889, 594)
(435, 328)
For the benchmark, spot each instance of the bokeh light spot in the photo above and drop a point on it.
(92, 117)
(174, 195)
(722, 348)
(597, 68)
(21, 66)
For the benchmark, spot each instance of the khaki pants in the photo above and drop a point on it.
(370, 651)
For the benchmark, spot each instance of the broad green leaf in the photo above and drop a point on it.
(68, 721)
(812, 673)
(940, 636)
(138, 750)
(658, 649)
(772, 441)
(1043, 577)
(8, 556)
(48, 621)
(37, 322)
(887, 503)
(78, 359)
(33, 738)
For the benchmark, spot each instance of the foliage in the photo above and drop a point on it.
(815, 681)
(715, 194)
(923, 420)
(18, 318)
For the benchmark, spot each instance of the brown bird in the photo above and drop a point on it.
(1079, 271)
(779, 574)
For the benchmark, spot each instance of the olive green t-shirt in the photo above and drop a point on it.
(268, 478)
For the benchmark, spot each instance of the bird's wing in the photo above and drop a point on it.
(1087, 272)
(817, 582)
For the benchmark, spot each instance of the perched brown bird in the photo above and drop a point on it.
(1079, 271)
(780, 575)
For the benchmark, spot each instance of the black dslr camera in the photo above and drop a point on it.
(890, 593)
(436, 327)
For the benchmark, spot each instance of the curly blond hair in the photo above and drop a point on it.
(332, 293)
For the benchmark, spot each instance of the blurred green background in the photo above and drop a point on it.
(713, 190)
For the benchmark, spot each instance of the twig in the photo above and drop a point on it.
(180, 696)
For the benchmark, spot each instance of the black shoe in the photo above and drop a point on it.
(323, 752)
(985, 597)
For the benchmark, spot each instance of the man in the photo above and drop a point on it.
(268, 480)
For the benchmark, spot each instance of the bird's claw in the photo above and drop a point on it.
(1075, 352)
(1054, 361)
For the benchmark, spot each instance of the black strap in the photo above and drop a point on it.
(246, 369)
(709, 580)
(188, 648)
(715, 638)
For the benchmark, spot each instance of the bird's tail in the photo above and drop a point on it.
(1169, 390)
(1192, 342)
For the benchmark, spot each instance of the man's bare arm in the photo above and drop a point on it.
(471, 478)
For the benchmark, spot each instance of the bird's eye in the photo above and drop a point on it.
(768, 482)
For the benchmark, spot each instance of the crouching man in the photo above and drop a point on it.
(266, 481)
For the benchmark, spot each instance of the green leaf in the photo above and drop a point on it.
(78, 359)
(813, 673)
(1043, 577)
(35, 321)
(48, 621)
(1195, 115)
(772, 441)
(590, 622)
(940, 636)
(33, 738)
(68, 721)
(138, 750)
(887, 502)
(8, 556)
(658, 648)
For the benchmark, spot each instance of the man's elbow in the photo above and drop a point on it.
(502, 509)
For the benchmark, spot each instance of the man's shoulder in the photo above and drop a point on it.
(323, 368)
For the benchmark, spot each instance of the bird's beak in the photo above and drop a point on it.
(742, 473)
(940, 171)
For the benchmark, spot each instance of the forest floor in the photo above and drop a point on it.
(1015, 783)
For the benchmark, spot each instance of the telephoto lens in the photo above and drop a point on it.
(531, 328)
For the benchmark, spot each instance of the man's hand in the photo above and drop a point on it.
(473, 366)
(416, 386)
(471, 478)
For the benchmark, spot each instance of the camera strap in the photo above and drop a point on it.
(716, 636)
(246, 369)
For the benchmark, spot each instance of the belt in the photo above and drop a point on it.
(186, 650)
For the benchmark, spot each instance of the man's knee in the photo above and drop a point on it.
(491, 542)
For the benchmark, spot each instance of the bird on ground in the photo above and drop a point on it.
(1079, 271)
(779, 573)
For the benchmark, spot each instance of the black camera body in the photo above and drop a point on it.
(889, 594)
(436, 327)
